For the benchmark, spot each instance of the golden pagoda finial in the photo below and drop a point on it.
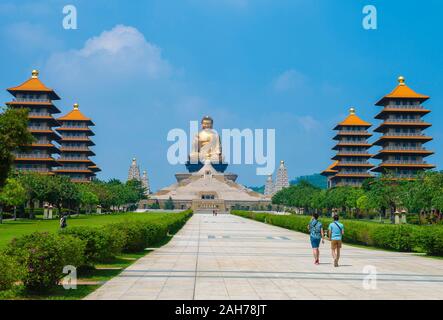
(75, 106)
(34, 73)
(351, 110)
(401, 81)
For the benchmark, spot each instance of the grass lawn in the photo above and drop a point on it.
(11, 229)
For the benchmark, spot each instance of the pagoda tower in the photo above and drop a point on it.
(269, 186)
(74, 159)
(281, 180)
(402, 140)
(352, 152)
(145, 182)
(329, 172)
(134, 171)
(38, 99)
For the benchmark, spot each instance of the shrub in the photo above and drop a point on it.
(431, 240)
(43, 256)
(10, 272)
(101, 243)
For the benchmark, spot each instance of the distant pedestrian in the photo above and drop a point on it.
(336, 231)
(315, 228)
(63, 223)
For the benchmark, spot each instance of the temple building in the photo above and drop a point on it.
(329, 172)
(281, 179)
(402, 142)
(145, 182)
(75, 142)
(134, 171)
(206, 186)
(38, 99)
(269, 186)
(351, 166)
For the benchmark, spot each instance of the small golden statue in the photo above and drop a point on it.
(206, 144)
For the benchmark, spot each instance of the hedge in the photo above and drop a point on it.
(403, 237)
(43, 255)
(10, 272)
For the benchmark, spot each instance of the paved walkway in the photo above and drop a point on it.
(228, 257)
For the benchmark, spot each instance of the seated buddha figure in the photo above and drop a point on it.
(206, 144)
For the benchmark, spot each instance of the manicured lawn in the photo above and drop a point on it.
(11, 229)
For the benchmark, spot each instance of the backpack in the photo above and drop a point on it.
(316, 230)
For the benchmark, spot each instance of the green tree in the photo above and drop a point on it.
(88, 198)
(38, 188)
(14, 134)
(169, 204)
(13, 194)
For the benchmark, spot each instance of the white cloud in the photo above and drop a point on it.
(289, 80)
(122, 52)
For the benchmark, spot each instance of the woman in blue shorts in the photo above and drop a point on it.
(315, 228)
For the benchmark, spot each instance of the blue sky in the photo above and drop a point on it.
(141, 68)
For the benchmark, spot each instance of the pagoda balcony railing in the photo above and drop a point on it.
(404, 148)
(39, 128)
(73, 158)
(394, 106)
(73, 126)
(405, 162)
(403, 120)
(352, 141)
(351, 184)
(74, 148)
(404, 134)
(353, 162)
(352, 172)
(31, 100)
(74, 137)
(404, 175)
(352, 152)
(362, 132)
(33, 169)
(39, 114)
(73, 168)
(32, 155)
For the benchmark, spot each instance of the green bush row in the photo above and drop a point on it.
(404, 237)
(38, 259)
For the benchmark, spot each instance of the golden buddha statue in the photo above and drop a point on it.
(206, 144)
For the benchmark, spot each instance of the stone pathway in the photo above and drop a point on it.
(228, 257)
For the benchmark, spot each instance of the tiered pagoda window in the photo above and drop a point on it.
(38, 99)
(75, 142)
(351, 166)
(402, 142)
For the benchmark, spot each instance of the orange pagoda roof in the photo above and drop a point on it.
(402, 91)
(352, 120)
(330, 170)
(34, 84)
(75, 115)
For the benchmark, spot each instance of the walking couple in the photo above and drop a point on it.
(335, 234)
